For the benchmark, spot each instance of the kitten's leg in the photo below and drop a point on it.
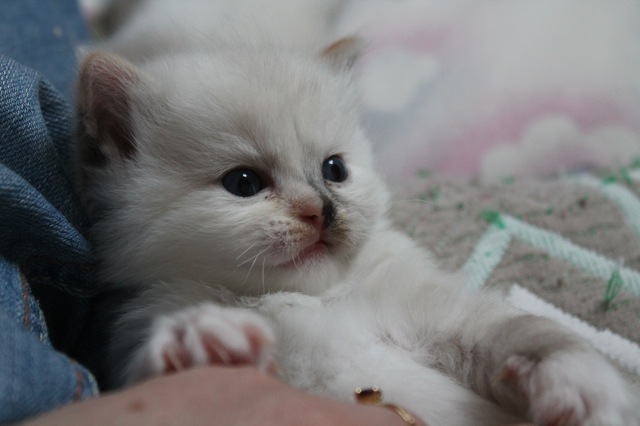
(525, 363)
(532, 365)
(563, 380)
(201, 335)
(206, 334)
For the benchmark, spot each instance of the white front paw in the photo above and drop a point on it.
(205, 335)
(573, 389)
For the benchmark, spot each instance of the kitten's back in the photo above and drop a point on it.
(158, 27)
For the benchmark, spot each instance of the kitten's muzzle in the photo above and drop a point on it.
(328, 214)
(320, 218)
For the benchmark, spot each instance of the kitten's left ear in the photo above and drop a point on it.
(106, 84)
(344, 53)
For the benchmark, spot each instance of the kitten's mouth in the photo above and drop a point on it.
(312, 253)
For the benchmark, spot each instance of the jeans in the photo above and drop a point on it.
(43, 35)
(46, 263)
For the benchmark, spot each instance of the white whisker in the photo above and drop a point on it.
(255, 258)
(251, 258)
(294, 261)
(413, 200)
(349, 260)
(264, 288)
(243, 253)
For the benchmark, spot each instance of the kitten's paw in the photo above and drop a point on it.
(209, 334)
(572, 389)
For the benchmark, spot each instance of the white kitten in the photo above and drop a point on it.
(233, 191)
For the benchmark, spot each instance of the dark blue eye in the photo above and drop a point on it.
(243, 182)
(334, 169)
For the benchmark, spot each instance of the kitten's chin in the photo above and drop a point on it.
(312, 255)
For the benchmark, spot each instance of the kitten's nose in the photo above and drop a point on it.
(318, 214)
(311, 213)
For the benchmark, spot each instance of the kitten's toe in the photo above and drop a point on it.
(571, 389)
(207, 335)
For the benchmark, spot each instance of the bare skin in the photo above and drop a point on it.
(216, 396)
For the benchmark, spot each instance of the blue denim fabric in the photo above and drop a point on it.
(46, 264)
(42, 251)
(43, 35)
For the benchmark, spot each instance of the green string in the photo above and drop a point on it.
(494, 218)
(610, 179)
(626, 177)
(622, 175)
(614, 286)
(508, 180)
(424, 173)
(434, 192)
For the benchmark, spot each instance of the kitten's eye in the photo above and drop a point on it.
(334, 169)
(243, 182)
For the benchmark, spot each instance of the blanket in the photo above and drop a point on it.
(566, 248)
(499, 87)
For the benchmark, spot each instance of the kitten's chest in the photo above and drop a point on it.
(322, 342)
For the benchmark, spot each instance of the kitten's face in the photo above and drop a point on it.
(250, 173)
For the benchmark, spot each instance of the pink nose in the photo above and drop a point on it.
(317, 213)
(311, 213)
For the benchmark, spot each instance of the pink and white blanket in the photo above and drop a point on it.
(499, 87)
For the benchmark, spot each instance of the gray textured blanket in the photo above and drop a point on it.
(566, 248)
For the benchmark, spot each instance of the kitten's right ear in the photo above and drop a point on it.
(104, 104)
(342, 54)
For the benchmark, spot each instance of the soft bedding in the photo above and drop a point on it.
(487, 117)
(499, 88)
(567, 248)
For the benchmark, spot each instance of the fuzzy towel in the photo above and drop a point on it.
(567, 248)
(499, 87)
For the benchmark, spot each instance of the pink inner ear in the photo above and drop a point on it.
(344, 53)
(105, 100)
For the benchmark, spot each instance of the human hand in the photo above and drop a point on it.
(217, 396)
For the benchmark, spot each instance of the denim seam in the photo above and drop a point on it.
(25, 300)
(77, 394)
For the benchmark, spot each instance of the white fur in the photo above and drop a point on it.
(202, 335)
(371, 310)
